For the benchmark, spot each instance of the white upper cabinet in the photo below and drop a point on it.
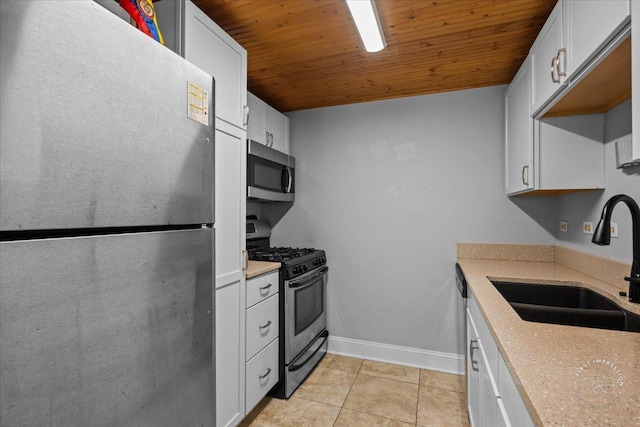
(519, 132)
(587, 26)
(193, 35)
(577, 36)
(267, 125)
(547, 60)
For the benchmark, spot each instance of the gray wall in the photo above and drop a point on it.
(387, 189)
(576, 208)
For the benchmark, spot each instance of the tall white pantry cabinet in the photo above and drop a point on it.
(193, 35)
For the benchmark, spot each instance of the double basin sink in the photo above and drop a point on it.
(567, 305)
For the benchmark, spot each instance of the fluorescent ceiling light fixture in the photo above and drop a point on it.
(365, 15)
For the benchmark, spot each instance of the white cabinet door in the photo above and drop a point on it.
(489, 395)
(262, 374)
(514, 407)
(587, 26)
(278, 125)
(545, 57)
(262, 287)
(257, 127)
(519, 132)
(230, 209)
(267, 125)
(207, 46)
(262, 325)
(230, 194)
(230, 367)
(473, 372)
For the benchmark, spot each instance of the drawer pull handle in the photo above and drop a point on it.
(264, 288)
(266, 325)
(473, 345)
(266, 374)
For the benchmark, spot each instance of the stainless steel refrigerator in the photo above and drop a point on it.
(106, 215)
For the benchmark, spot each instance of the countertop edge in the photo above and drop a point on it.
(508, 330)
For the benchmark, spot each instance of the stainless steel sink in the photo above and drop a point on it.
(567, 305)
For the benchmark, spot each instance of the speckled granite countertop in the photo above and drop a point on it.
(256, 268)
(556, 366)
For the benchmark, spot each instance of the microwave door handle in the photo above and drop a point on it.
(290, 180)
(306, 281)
(284, 179)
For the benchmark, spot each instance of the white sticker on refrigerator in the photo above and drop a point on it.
(198, 104)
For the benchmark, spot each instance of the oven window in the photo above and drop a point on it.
(309, 305)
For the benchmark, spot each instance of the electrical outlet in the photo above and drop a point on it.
(614, 229)
(587, 227)
(564, 226)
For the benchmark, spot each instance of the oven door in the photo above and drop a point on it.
(305, 310)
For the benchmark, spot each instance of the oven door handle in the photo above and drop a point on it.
(302, 281)
(296, 366)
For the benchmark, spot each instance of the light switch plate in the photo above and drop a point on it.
(587, 227)
(564, 226)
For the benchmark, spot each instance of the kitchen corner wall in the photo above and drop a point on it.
(388, 188)
(580, 207)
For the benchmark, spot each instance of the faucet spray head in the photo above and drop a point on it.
(602, 233)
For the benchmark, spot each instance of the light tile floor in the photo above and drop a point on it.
(350, 392)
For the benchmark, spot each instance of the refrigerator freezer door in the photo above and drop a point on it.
(94, 123)
(108, 330)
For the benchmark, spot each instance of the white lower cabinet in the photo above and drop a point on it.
(262, 325)
(262, 374)
(492, 396)
(262, 331)
(229, 355)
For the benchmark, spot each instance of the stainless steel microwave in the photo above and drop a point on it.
(270, 174)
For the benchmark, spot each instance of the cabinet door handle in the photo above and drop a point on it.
(246, 115)
(246, 259)
(473, 346)
(266, 325)
(271, 140)
(266, 374)
(562, 52)
(554, 62)
(525, 176)
(267, 140)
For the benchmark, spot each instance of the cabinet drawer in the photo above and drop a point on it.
(262, 287)
(262, 374)
(262, 325)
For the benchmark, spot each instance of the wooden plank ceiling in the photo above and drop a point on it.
(307, 53)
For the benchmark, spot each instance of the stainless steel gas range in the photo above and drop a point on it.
(303, 314)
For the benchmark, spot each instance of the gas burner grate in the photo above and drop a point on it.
(278, 254)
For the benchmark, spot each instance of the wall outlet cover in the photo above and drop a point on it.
(614, 229)
(564, 226)
(587, 227)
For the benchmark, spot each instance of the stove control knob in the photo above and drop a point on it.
(296, 269)
(304, 268)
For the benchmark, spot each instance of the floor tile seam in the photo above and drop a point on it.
(317, 401)
(353, 382)
(390, 379)
(441, 388)
(377, 415)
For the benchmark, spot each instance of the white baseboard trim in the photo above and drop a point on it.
(434, 360)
